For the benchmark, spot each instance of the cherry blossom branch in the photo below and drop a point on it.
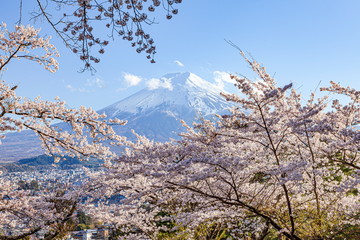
(242, 204)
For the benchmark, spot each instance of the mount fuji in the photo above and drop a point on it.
(155, 112)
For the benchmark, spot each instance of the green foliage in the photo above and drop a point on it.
(354, 192)
(12, 167)
(348, 232)
(84, 219)
(213, 231)
(44, 162)
(80, 227)
(260, 177)
(32, 185)
(165, 223)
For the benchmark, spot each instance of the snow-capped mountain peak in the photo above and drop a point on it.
(156, 110)
(190, 80)
(184, 90)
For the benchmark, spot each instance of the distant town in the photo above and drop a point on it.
(46, 176)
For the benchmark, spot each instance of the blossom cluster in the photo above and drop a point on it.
(18, 44)
(24, 213)
(125, 19)
(274, 165)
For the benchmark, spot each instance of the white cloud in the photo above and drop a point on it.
(97, 82)
(71, 88)
(221, 78)
(132, 80)
(74, 89)
(180, 64)
(155, 83)
(89, 86)
(120, 89)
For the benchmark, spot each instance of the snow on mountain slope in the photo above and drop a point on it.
(183, 90)
(155, 112)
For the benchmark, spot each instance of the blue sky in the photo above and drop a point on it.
(304, 42)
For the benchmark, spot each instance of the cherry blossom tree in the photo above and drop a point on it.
(77, 22)
(276, 165)
(19, 113)
(24, 213)
(21, 212)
